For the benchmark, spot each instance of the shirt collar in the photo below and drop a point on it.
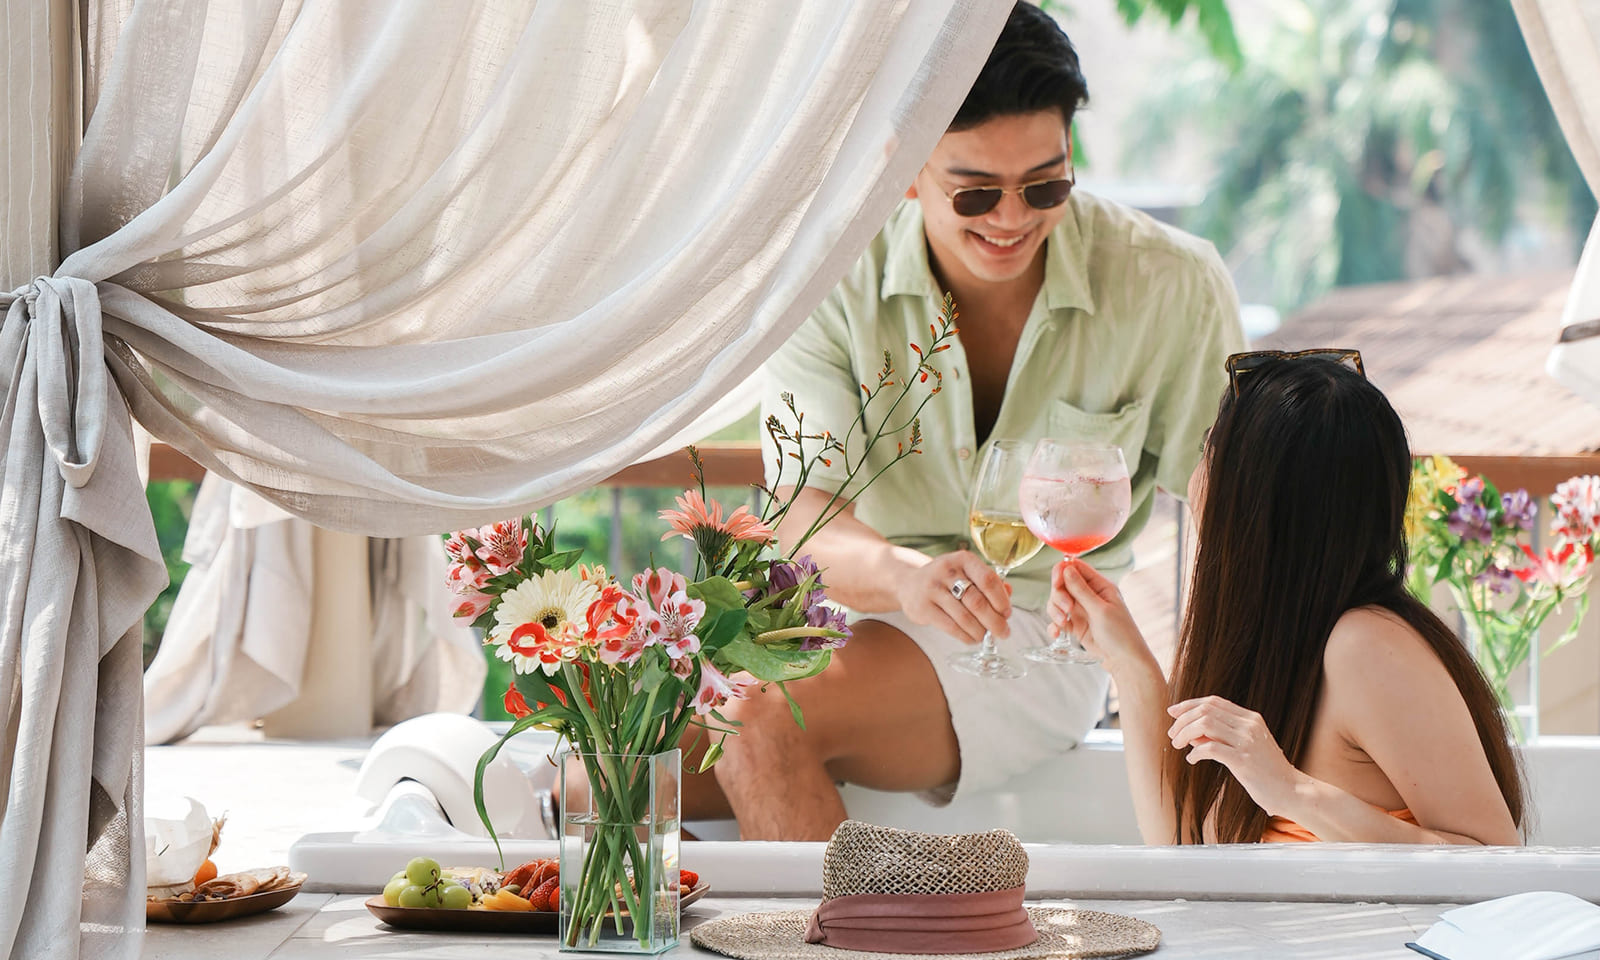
(1066, 265)
(1066, 261)
(906, 272)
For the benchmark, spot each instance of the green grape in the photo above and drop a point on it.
(456, 897)
(391, 893)
(422, 871)
(431, 896)
(411, 897)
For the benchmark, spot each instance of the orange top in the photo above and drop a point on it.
(1280, 830)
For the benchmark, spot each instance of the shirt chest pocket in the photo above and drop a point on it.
(1126, 427)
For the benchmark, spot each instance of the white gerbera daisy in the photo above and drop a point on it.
(538, 622)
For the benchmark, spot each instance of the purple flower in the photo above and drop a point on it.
(829, 618)
(1470, 521)
(1520, 509)
(1470, 491)
(787, 574)
(1497, 579)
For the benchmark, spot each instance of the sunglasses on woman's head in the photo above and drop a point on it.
(1040, 195)
(1241, 364)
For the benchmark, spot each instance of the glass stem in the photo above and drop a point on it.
(986, 650)
(1068, 640)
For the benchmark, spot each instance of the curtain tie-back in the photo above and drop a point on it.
(52, 333)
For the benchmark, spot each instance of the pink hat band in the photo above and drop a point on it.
(923, 923)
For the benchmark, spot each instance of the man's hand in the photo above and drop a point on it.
(926, 597)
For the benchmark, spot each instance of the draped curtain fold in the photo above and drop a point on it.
(397, 267)
(1563, 38)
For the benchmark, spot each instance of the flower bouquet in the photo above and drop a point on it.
(1463, 532)
(628, 672)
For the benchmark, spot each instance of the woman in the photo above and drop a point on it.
(1329, 703)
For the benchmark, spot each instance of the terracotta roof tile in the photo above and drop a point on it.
(1462, 359)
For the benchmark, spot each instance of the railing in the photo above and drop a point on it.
(740, 465)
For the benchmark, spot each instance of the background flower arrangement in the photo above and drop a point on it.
(1463, 532)
(631, 670)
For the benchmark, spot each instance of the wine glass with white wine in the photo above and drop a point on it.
(1002, 538)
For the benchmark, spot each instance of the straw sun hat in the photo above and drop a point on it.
(887, 893)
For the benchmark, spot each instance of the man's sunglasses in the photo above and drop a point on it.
(1241, 364)
(1040, 195)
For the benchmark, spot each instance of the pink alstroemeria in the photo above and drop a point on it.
(466, 574)
(697, 519)
(467, 579)
(717, 689)
(1577, 508)
(458, 549)
(471, 605)
(679, 616)
(632, 627)
(501, 545)
(1556, 570)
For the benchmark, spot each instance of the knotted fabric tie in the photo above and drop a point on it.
(924, 923)
(52, 334)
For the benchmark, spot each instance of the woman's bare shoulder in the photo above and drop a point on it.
(1373, 652)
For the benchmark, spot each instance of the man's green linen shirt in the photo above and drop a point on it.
(1125, 343)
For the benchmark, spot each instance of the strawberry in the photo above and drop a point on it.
(688, 879)
(545, 870)
(544, 895)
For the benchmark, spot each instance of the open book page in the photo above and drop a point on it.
(1528, 926)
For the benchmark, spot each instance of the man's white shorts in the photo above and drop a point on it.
(1008, 727)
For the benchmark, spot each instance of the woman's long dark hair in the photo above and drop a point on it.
(1301, 521)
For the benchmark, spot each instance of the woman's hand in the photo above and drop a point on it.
(1083, 599)
(926, 597)
(1212, 728)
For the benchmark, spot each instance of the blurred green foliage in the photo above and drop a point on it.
(1363, 140)
(171, 503)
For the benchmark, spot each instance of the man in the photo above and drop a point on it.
(1079, 319)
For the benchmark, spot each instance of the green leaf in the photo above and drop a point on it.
(766, 663)
(722, 629)
(760, 621)
(794, 708)
(719, 593)
(1447, 562)
(1567, 635)
(536, 688)
(518, 726)
(653, 675)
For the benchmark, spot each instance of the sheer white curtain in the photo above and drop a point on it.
(1564, 39)
(239, 643)
(398, 267)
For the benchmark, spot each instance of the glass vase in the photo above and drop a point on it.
(1508, 654)
(619, 852)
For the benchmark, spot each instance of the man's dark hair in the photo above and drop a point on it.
(1032, 67)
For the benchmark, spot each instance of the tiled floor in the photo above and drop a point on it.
(314, 927)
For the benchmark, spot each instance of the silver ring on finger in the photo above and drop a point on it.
(958, 588)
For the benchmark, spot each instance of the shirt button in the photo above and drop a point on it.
(964, 453)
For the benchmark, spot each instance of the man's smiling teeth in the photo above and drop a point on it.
(1002, 241)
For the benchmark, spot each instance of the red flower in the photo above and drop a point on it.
(514, 703)
(1556, 570)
